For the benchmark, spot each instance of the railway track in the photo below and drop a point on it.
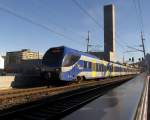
(57, 108)
(16, 91)
(16, 97)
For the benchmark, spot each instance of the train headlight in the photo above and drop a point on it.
(58, 69)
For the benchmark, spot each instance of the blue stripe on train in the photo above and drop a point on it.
(79, 67)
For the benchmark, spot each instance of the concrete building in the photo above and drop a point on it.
(21, 61)
(18, 56)
(109, 35)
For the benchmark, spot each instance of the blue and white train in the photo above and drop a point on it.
(66, 64)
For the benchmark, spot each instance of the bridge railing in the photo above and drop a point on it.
(141, 113)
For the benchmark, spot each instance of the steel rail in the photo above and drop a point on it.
(7, 101)
(62, 106)
(16, 91)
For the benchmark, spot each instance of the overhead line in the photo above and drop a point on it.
(92, 18)
(34, 23)
(87, 13)
(138, 11)
(141, 16)
(82, 36)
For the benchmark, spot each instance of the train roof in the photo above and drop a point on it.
(70, 50)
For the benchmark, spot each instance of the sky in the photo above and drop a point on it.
(41, 24)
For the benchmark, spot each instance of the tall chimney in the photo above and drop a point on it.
(109, 32)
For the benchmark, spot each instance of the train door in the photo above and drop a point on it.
(94, 69)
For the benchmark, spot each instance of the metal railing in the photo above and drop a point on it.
(141, 113)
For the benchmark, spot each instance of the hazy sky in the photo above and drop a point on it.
(61, 22)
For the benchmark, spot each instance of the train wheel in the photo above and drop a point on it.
(79, 79)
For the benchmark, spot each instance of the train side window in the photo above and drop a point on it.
(100, 67)
(110, 68)
(85, 64)
(97, 67)
(104, 68)
(90, 65)
(115, 69)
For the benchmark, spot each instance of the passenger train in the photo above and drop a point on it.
(66, 64)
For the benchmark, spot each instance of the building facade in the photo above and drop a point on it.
(1, 63)
(17, 56)
(24, 60)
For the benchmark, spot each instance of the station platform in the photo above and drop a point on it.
(121, 103)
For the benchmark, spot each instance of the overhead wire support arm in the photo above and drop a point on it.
(135, 48)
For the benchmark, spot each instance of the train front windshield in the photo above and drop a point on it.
(70, 59)
(53, 57)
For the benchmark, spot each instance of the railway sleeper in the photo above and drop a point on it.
(48, 111)
(35, 115)
(28, 117)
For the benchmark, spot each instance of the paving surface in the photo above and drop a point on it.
(119, 104)
(20, 81)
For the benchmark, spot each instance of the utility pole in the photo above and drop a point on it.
(88, 40)
(142, 38)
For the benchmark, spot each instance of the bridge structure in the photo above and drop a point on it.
(98, 100)
(126, 102)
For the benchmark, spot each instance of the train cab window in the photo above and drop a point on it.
(69, 60)
(53, 57)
